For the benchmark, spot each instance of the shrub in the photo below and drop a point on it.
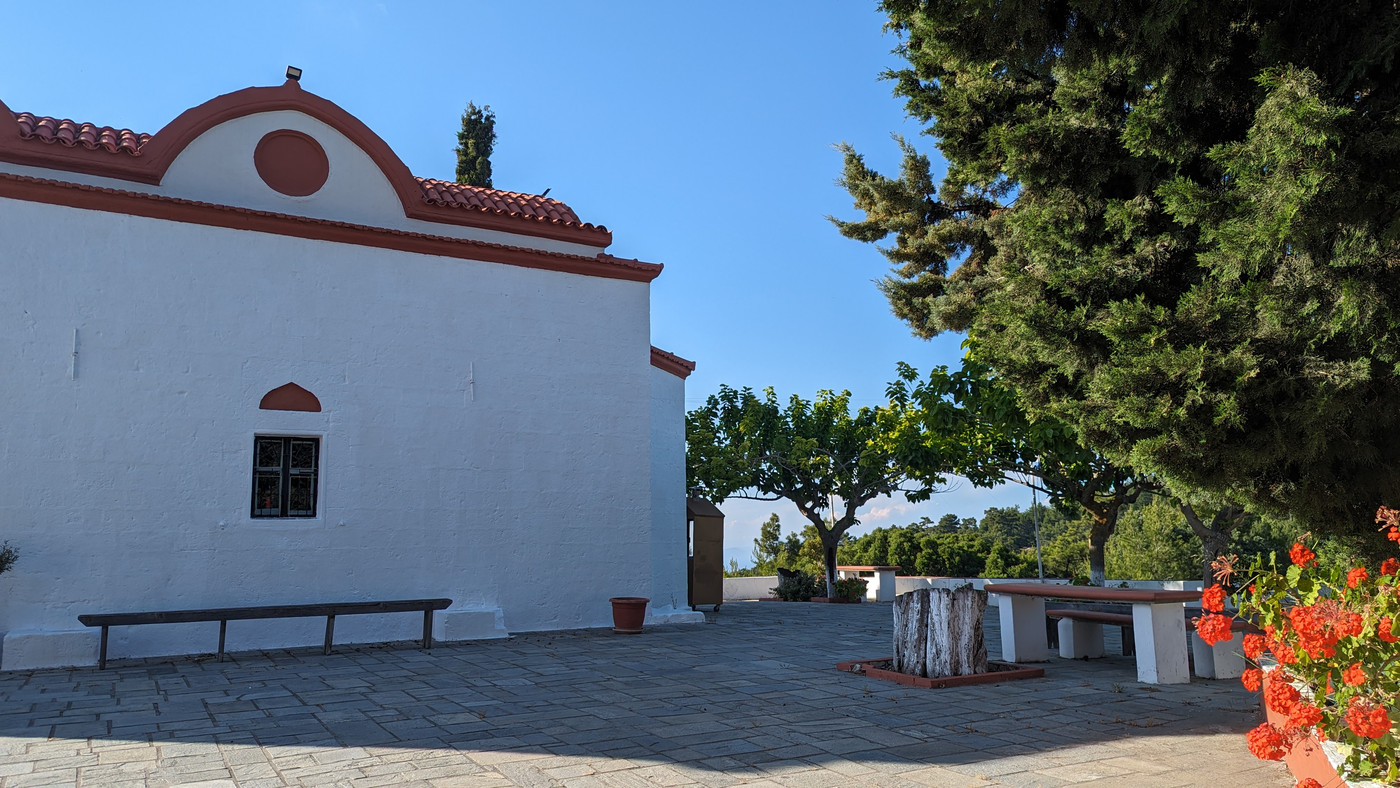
(1331, 629)
(8, 556)
(850, 589)
(799, 587)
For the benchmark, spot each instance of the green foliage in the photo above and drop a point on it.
(809, 453)
(474, 144)
(851, 589)
(1153, 542)
(969, 422)
(8, 556)
(1171, 226)
(800, 587)
(1004, 562)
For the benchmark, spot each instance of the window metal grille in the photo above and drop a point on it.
(284, 476)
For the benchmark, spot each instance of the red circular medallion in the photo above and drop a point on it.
(291, 162)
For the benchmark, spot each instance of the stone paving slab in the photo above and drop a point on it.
(749, 698)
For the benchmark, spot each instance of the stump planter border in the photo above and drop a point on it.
(883, 668)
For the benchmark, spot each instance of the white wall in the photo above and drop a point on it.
(668, 530)
(525, 496)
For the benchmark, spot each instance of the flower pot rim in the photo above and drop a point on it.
(627, 599)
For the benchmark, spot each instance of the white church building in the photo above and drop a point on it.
(252, 360)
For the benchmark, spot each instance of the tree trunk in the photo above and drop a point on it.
(1098, 537)
(1215, 538)
(829, 551)
(938, 632)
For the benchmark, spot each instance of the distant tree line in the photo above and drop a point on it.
(1152, 541)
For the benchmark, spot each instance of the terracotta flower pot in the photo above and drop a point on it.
(628, 613)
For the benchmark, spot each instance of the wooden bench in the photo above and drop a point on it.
(1159, 624)
(224, 615)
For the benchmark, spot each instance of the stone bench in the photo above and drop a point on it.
(1159, 624)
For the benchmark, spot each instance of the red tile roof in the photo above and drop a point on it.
(71, 133)
(672, 363)
(457, 195)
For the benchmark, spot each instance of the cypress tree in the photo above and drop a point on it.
(474, 144)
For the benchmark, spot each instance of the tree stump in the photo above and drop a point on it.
(938, 632)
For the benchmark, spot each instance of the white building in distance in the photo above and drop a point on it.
(252, 360)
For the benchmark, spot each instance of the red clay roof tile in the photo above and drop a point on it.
(72, 133)
(456, 195)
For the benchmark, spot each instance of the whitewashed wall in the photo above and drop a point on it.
(668, 530)
(524, 493)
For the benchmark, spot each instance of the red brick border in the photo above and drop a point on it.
(1000, 671)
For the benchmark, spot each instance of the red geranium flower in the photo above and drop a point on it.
(1213, 598)
(1354, 675)
(1268, 742)
(1214, 628)
(1305, 715)
(1253, 646)
(1357, 576)
(1385, 629)
(1251, 678)
(1308, 782)
(1301, 555)
(1390, 566)
(1366, 719)
(1280, 695)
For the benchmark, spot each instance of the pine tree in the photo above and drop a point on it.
(1171, 225)
(474, 144)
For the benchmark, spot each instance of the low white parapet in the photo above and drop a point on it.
(673, 615)
(741, 588)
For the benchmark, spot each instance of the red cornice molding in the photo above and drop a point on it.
(156, 156)
(672, 363)
(154, 206)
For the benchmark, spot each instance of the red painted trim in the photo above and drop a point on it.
(290, 396)
(155, 157)
(291, 162)
(672, 363)
(154, 206)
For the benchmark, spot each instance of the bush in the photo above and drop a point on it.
(8, 556)
(850, 589)
(800, 587)
(1331, 629)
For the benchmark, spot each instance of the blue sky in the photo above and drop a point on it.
(701, 134)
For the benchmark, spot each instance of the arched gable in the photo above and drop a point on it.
(419, 200)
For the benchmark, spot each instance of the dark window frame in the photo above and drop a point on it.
(285, 473)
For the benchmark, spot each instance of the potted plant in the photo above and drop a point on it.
(628, 613)
(1331, 635)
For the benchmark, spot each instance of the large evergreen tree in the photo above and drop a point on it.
(1173, 226)
(474, 144)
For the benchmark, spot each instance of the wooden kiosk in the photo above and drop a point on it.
(705, 535)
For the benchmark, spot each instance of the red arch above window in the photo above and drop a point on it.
(290, 397)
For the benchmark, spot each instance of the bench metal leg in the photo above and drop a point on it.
(330, 630)
(102, 654)
(427, 629)
(223, 630)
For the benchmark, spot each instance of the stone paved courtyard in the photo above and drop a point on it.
(749, 698)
